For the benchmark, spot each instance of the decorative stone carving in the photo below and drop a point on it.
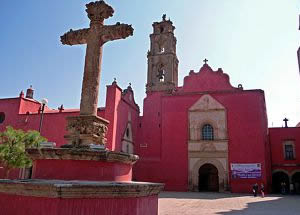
(79, 36)
(98, 11)
(88, 128)
(85, 130)
(207, 110)
(205, 103)
(208, 147)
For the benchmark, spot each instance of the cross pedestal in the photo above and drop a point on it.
(85, 130)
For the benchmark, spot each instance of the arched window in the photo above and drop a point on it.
(161, 73)
(162, 29)
(2, 117)
(207, 132)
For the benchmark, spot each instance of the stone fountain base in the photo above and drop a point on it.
(59, 197)
(72, 181)
(81, 164)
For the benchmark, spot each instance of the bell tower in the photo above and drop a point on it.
(162, 58)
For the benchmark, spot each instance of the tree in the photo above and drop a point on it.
(13, 145)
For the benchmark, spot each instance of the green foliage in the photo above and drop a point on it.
(13, 145)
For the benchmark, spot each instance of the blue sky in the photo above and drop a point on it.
(254, 41)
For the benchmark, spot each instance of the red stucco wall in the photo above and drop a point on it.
(25, 205)
(81, 170)
(23, 114)
(277, 137)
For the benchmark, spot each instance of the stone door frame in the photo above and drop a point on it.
(223, 178)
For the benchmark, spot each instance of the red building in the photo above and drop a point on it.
(285, 151)
(203, 136)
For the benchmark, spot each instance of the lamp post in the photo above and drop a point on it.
(44, 102)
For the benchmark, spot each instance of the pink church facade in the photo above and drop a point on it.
(203, 136)
(172, 147)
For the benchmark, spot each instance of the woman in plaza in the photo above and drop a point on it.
(262, 190)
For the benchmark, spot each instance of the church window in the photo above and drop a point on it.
(289, 151)
(127, 132)
(127, 148)
(207, 132)
(2, 117)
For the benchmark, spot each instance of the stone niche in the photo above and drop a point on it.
(127, 140)
(214, 151)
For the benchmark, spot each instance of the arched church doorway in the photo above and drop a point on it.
(280, 180)
(296, 182)
(208, 178)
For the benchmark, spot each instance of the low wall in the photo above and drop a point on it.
(56, 197)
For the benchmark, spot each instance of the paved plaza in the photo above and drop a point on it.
(176, 203)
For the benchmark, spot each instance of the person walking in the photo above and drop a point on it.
(255, 189)
(283, 187)
(262, 190)
(291, 188)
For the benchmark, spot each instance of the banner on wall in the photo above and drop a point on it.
(246, 170)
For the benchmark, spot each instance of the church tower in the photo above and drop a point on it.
(162, 58)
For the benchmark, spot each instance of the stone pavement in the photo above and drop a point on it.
(176, 203)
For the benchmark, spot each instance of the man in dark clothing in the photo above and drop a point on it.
(255, 189)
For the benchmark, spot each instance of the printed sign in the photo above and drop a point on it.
(246, 170)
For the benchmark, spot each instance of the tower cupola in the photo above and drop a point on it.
(29, 92)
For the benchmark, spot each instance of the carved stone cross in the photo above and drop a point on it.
(85, 128)
(205, 61)
(95, 37)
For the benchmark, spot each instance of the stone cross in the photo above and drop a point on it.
(285, 122)
(205, 61)
(61, 108)
(87, 128)
(95, 37)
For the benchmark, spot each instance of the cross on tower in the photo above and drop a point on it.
(88, 128)
(61, 108)
(205, 61)
(285, 122)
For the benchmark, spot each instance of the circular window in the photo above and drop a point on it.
(2, 117)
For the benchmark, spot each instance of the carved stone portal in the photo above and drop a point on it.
(201, 151)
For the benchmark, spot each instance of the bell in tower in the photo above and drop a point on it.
(162, 58)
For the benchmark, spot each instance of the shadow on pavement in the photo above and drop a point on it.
(199, 195)
(283, 205)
